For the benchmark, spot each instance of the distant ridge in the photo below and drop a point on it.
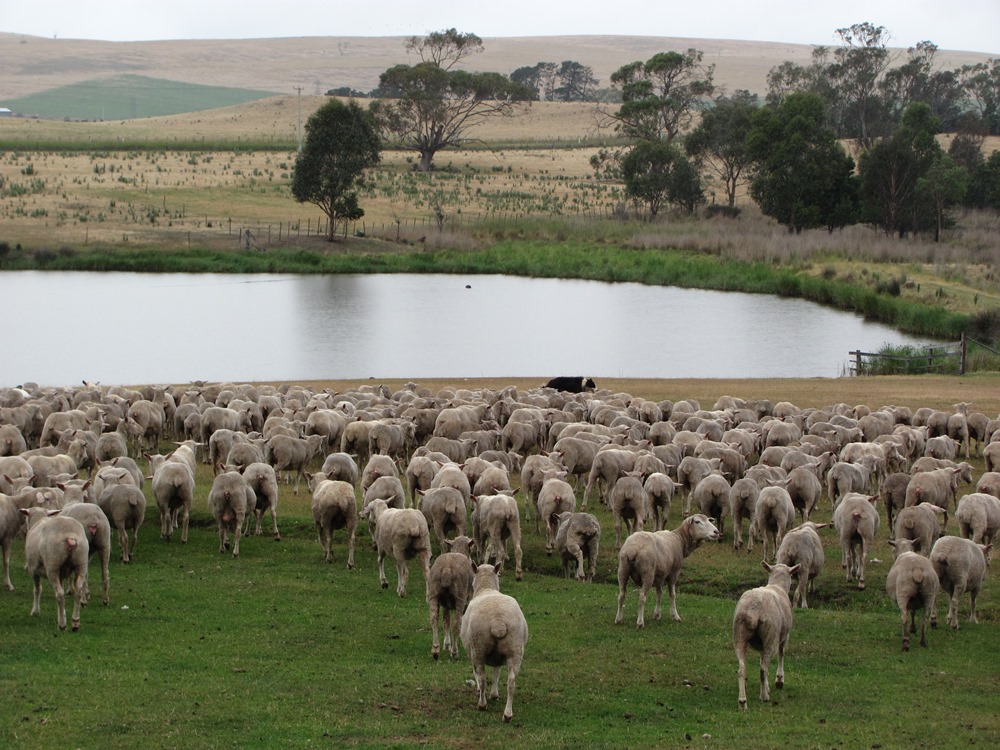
(36, 64)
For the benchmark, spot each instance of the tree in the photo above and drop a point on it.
(984, 184)
(890, 170)
(942, 186)
(341, 143)
(917, 80)
(856, 72)
(802, 177)
(436, 105)
(981, 83)
(656, 173)
(719, 142)
(576, 82)
(660, 95)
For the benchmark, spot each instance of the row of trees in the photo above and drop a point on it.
(789, 149)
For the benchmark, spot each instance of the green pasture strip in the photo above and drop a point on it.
(529, 258)
(129, 97)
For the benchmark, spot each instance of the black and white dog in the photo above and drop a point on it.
(572, 384)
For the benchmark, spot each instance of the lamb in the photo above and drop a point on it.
(334, 506)
(495, 519)
(555, 497)
(403, 533)
(98, 531)
(578, 538)
(125, 507)
(264, 483)
(494, 633)
(652, 558)
(960, 565)
(629, 505)
(773, 516)
(919, 524)
(173, 490)
(742, 505)
(57, 548)
(660, 490)
(449, 589)
(711, 495)
(444, 509)
(229, 500)
(857, 519)
(763, 620)
(913, 584)
(801, 547)
(290, 454)
(978, 517)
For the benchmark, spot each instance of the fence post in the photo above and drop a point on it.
(857, 361)
(961, 365)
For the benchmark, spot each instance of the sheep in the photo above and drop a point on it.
(711, 495)
(451, 475)
(804, 488)
(532, 472)
(893, 492)
(264, 483)
(494, 633)
(578, 538)
(10, 527)
(449, 589)
(341, 466)
(457, 450)
(113, 444)
(629, 505)
(991, 455)
(229, 500)
(378, 466)
(242, 454)
(660, 490)
(334, 506)
(45, 467)
(444, 509)
(98, 530)
(12, 442)
(801, 547)
(978, 517)
(856, 519)
(577, 455)
(286, 453)
(609, 465)
(912, 584)
(57, 548)
(420, 473)
(173, 489)
(403, 533)
(329, 423)
(692, 470)
(453, 421)
(150, 418)
(989, 482)
(763, 620)
(938, 486)
(555, 497)
(389, 489)
(742, 505)
(919, 524)
(773, 516)
(960, 565)
(652, 558)
(125, 507)
(493, 479)
(845, 477)
(392, 438)
(942, 447)
(495, 519)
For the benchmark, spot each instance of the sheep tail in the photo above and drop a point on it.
(498, 629)
(71, 543)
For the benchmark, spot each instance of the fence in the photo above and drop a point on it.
(936, 359)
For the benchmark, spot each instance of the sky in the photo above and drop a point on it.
(971, 25)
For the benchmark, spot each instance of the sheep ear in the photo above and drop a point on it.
(794, 569)
(765, 565)
(498, 569)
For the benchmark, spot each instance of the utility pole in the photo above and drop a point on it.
(299, 89)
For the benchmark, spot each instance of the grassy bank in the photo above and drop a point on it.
(529, 258)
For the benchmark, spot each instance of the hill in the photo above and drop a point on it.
(36, 64)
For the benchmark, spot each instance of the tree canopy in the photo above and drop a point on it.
(656, 173)
(436, 105)
(719, 142)
(341, 143)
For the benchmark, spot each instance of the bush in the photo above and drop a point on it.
(723, 210)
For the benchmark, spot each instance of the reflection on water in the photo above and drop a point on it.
(171, 328)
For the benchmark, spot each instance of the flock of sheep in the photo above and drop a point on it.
(437, 469)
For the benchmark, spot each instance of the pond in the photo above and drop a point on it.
(123, 328)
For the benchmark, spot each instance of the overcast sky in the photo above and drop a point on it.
(972, 25)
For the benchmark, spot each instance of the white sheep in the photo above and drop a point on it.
(652, 558)
(919, 524)
(57, 548)
(763, 620)
(912, 584)
(263, 480)
(856, 519)
(978, 516)
(494, 633)
(960, 565)
(660, 490)
(286, 453)
(229, 501)
(578, 538)
(449, 589)
(495, 519)
(629, 505)
(402, 533)
(10, 527)
(173, 489)
(334, 506)
(444, 509)
(555, 497)
(125, 507)
(774, 514)
(742, 505)
(98, 530)
(802, 548)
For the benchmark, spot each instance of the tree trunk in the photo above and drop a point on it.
(331, 228)
(426, 160)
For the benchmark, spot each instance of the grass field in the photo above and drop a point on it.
(277, 649)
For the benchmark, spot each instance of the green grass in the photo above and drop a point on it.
(278, 649)
(127, 97)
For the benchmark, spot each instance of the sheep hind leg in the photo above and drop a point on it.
(906, 630)
(435, 647)
(479, 672)
(741, 674)
(495, 688)
(513, 665)
(765, 664)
